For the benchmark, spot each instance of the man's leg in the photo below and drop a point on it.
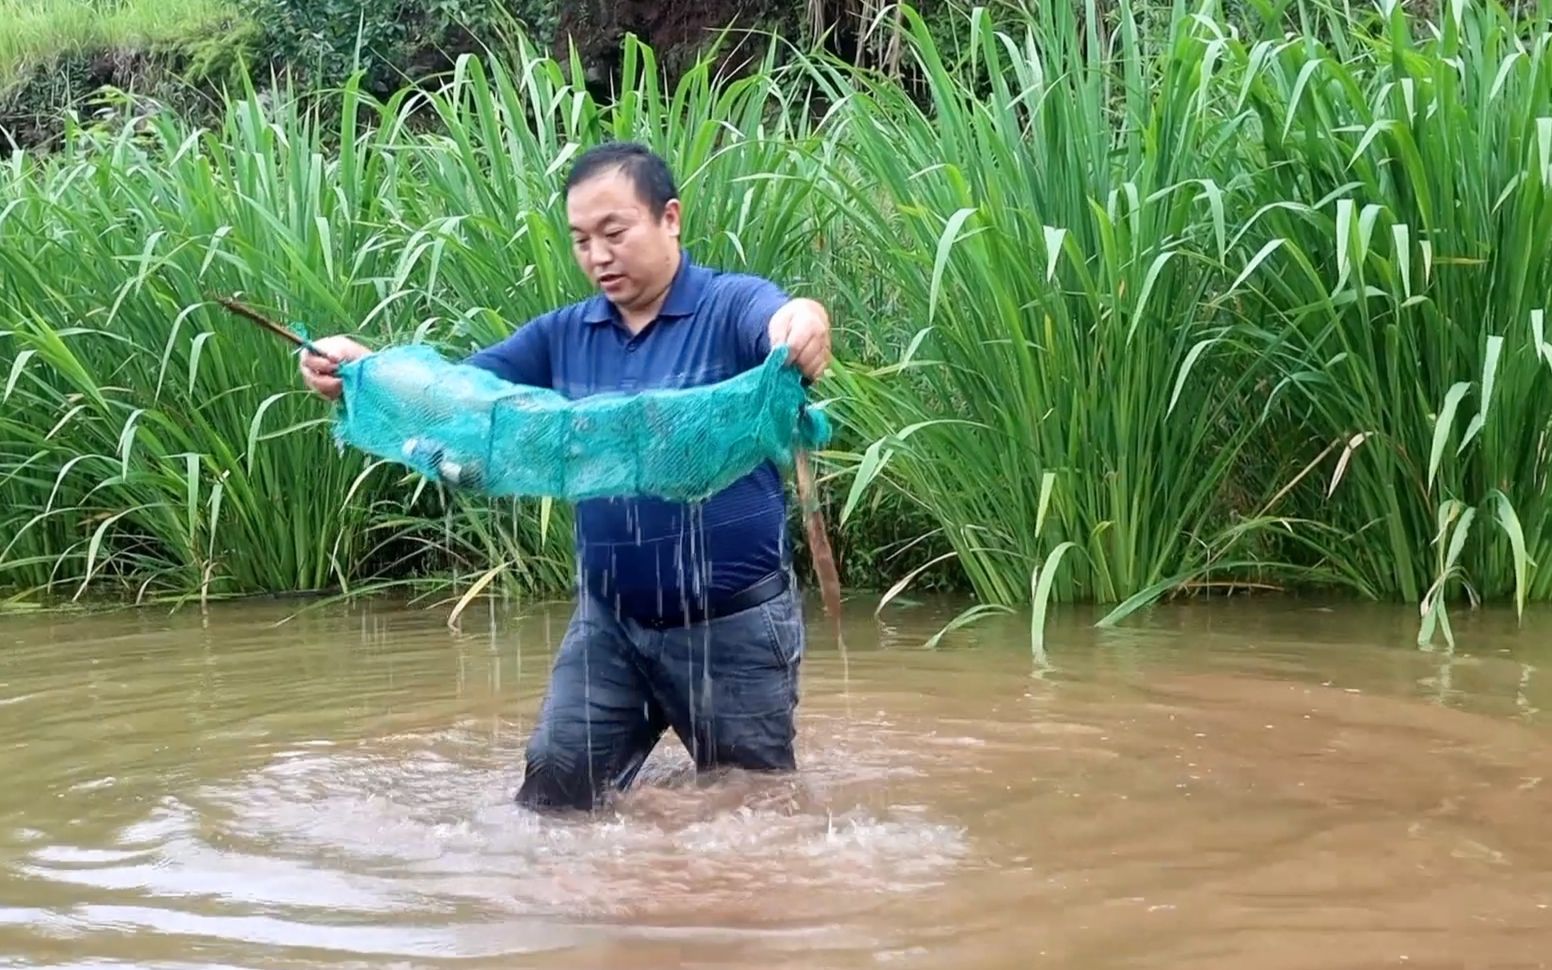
(598, 721)
(730, 686)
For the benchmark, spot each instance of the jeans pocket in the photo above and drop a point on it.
(784, 623)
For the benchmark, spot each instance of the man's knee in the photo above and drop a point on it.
(573, 765)
(557, 773)
(591, 720)
(751, 743)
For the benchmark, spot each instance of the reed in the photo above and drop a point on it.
(1133, 302)
(1175, 307)
(155, 445)
(1407, 170)
(1059, 223)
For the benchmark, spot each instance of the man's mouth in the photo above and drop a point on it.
(609, 278)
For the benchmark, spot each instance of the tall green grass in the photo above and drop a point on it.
(1062, 220)
(1191, 306)
(1133, 302)
(153, 445)
(1411, 260)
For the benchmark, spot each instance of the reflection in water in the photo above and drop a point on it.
(1233, 786)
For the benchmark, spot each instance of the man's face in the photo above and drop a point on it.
(627, 253)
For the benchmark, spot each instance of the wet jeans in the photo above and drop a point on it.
(728, 687)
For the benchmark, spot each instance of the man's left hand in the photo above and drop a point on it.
(804, 326)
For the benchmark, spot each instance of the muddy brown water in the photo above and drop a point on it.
(1241, 785)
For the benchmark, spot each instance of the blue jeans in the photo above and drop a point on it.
(728, 687)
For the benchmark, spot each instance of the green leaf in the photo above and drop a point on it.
(1442, 425)
(1040, 585)
(1510, 521)
(1489, 375)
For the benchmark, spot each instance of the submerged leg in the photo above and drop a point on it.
(598, 721)
(730, 687)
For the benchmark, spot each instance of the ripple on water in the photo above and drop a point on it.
(420, 830)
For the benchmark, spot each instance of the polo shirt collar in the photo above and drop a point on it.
(684, 295)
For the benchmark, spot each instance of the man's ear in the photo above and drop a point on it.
(671, 215)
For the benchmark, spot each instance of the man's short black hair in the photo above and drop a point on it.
(646, 170)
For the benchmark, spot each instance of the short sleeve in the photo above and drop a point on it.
(755, 301)
(523, 357)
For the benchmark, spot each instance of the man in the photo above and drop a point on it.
(684, 619)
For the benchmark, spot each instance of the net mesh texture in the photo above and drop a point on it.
(469, 429)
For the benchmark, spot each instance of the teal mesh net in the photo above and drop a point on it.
(469, 429)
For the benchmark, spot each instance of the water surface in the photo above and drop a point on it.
(1251, 784)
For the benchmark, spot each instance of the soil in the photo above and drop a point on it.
(32, 112)
(677, 31)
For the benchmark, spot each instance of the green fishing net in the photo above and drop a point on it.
(466, 427)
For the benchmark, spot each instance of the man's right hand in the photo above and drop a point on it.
(318, 372)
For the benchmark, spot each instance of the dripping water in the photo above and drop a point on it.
(584, 601)
(703, 574)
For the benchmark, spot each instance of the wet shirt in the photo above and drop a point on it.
(646, 555)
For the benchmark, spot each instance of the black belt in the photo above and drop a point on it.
(762, 591)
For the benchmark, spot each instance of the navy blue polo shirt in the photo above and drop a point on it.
(645, 555)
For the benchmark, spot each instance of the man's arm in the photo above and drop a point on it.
(768, 317)
(523, 357)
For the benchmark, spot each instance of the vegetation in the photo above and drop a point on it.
(84, 57)
(1134, 303)
(1066, 243)
(1413, 271)
(1199, 306)
(39, 31)
(80, 56)
(151, 443)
